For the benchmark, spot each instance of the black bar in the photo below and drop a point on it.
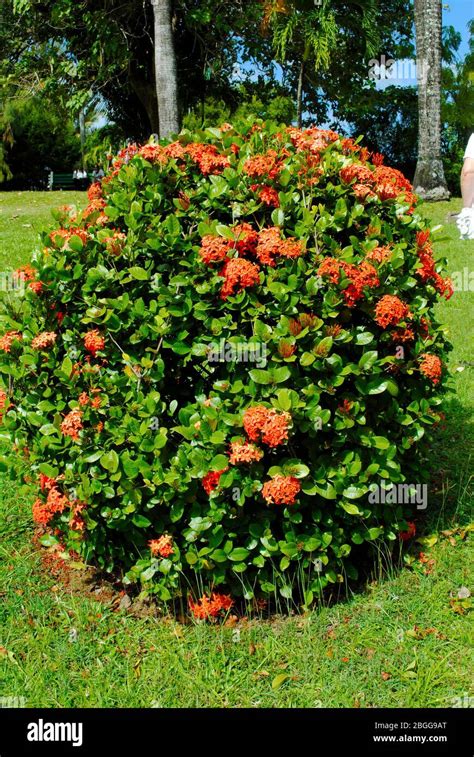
(155, 731)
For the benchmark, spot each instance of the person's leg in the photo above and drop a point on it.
(467, 183)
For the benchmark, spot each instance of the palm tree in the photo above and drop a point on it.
(307, 32)
(165, 68)
(429, 181)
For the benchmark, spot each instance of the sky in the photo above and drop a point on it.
(457, 13)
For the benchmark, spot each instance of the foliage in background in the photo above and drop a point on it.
(153, 456)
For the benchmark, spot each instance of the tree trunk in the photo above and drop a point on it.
(429, 181)
(299, 96)
(165, 69)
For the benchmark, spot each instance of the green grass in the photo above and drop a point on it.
(23, 215)
(360, 652)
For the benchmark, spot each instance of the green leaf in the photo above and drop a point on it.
(260, 376)
(354, 492)
(280, 375)
(139, 273)
(48, 470)
(351, 509)
(110, 461)
(140, 521)
(279, 680)
(238, 554)
(368, 359)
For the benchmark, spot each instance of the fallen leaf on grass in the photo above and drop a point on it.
(464, 593)
(386, 676)
(261, 674)
(279, 680)
(252, 648)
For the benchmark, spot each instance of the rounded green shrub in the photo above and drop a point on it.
(216, 364)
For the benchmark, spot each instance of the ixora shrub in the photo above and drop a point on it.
(215, 364)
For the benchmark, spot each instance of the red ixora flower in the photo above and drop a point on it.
(115, 243)
(208, 158)
(267, 425)
(43, 512)
(409, 533)
(214, 249)
(390, 310)
(6, 341)
(211, 480)
(210, 607)
(269, 164)
(271, 245)
(246, 239)
(72, 424)
(428, 272)
(46, 483)
(44, 340)
(238, 274)
(431, 367)
(161, 547)
(94, 341)
(281, 490)
(269, 196)
(359, 276)
(244, 452)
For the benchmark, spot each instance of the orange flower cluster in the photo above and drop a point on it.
(390, 310)
(214, 249)
(55, 503)
(360, 276)
(46, 483)
(162, 547)
(36, 286)
(271, 245)
(244, 452)
(315, 140)
(267, 425)
(210, 607)
(269, 164)
(269, 196)
(400, 336)
(211, 480)
(44, 340)
(4, 403)
(84, 399)
(380, 254)
(285, 348)
(153, 154)
(72, 424)
(61, 237)
(281, 490)
(8, 338)
(208, 158)
(25, 273)
(77, 522)
(431, 367)
(238, 274)
(115, 243)
(333, 330)
(391, 183)
(361, 174)
(95, 191)
(94, 341)
(246, 239)
(427, 272)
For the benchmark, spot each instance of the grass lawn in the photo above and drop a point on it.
(402, 641)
